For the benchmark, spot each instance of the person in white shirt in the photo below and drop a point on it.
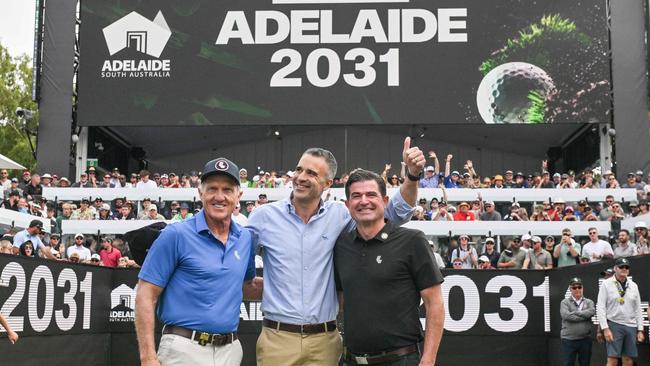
(145, 182)
(620, 315)
(239, 217)
(79, 248)
(596, 249)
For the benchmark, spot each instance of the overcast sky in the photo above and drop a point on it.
(17, 26)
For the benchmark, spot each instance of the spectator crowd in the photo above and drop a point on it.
(24, 194)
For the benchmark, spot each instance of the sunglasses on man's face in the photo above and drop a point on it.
(576, 287)
(624, 267)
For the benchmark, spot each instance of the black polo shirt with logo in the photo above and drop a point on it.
(381, 280)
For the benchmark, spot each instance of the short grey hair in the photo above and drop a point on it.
(329, 159)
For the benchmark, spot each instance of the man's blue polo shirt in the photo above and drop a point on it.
(202, 278)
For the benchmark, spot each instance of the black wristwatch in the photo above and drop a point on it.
(414, 178)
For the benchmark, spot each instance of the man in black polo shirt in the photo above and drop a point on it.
(382, 271)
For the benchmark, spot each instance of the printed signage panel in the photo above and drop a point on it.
(347, 62)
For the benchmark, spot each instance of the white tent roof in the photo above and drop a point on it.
(6, 163)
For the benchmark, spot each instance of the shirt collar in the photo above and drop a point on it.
(202, 225)
(381, 236)
(292, 209)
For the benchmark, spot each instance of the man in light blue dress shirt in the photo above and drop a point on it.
(298, 236)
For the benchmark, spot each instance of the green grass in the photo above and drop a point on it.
(550, 27)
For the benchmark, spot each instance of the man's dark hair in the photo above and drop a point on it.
(144, 173)
(329, 159)
(361, 175)
(625, 231)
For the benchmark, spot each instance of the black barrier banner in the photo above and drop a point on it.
(47, 297)
(280, 62)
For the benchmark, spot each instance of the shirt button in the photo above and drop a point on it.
(305, 268)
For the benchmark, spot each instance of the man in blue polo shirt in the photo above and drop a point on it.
(195, 275)
(31, 234)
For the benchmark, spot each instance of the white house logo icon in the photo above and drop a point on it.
(122, 304)
(134, 30)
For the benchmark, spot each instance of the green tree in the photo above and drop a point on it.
(16, 91)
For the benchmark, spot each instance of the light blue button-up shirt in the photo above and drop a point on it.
(299, 283)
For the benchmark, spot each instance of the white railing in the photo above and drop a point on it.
(436, 228)
(275, 194)
(13, 219)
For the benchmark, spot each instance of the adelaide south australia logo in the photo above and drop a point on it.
(122, 304)
(135, 34)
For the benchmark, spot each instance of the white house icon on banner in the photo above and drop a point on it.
(134, 30)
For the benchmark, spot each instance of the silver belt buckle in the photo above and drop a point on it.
(361, 360)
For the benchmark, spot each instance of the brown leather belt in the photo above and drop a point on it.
(302, 328)
(202, 337)
(380, 357)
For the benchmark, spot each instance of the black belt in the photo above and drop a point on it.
(302, 328)
(202, 337)
(372, 359)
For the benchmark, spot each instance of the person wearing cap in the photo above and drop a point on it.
(451, 177)
(484, 263)
(537, 257)
(569, 214)
(194, 277)
(380, 255)
(84, 212)
(243, 178)
(31, 234)
(497, 182)
(262, 199)
(83, 181)
(513, 256)
(145, 182)
(104, 213)
(619, 314)
(490, 252)
(95, 260)
(250, 206)
(183, 212)
(567, 252)
(596, 249)
(108, 254)
(299, 290)
(631, 182)
(490, 214)
(24, 180)
(431, 177)
(465, 252)
(549, 246)
(576, 312)
(442, 213)
(79, 248)
(146, 204)
(153, 214)
(623, 247)
(11, 202)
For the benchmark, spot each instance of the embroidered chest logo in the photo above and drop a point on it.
(379, 260)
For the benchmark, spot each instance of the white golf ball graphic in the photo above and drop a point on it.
(502, 96)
